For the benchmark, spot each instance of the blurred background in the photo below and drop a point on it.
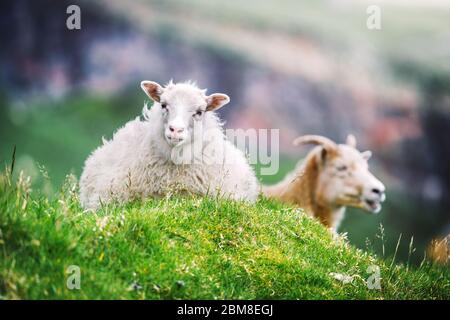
(298, 66)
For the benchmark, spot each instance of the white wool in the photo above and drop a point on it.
(137, 163)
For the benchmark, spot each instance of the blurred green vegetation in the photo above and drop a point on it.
(60, 134)
(406, 30)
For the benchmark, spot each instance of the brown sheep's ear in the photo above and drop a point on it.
(152, 89)
(216, 101)
(323, 155)
(351, 141)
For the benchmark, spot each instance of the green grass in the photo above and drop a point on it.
(188, 247)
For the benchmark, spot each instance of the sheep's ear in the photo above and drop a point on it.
(323, 155)
(366, 154)
(152, 89)
(351, 141)
(216, 101)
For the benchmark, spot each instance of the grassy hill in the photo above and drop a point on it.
(188, 247)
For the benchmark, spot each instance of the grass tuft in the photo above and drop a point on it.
(185, 247)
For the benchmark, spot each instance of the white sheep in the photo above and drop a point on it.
(179, 147)
(332, 177)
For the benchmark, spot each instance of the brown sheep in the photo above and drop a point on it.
(439, 250)
(332, 177)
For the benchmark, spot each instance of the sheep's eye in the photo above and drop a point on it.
(342, 167)
(198, 113)
(164, 106)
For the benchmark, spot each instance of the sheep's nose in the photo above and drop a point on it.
(379, 191)
(175, 129)
(376, 191)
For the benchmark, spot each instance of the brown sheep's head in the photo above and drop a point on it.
(343, 177)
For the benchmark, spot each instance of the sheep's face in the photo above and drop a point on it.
(182, 108)
(345, 180)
